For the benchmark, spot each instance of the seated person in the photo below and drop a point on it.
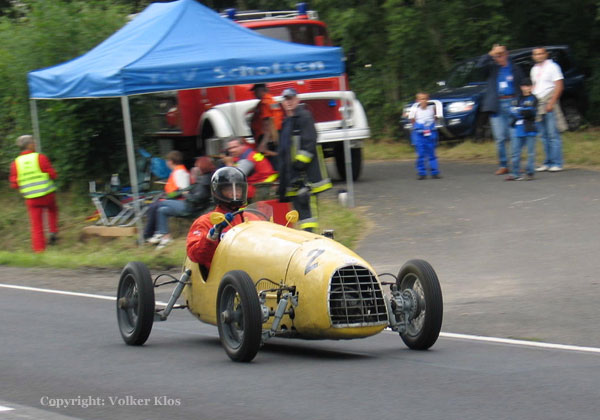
(253, 164)
(229, 187)
(196, 199)
(178, 180)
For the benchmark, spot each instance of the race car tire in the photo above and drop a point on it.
(239, 316)
(424, 328)
(135, 303)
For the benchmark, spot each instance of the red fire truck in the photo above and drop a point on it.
(199, 121)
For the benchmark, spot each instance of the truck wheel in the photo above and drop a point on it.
(135, 304)
(424, 327)
(239, 316)
(340, 161)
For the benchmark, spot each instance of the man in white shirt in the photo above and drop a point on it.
(548, 85)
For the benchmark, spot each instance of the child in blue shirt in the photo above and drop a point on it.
(424, 136)
(523, 110)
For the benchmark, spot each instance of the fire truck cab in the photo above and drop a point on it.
(199, 121)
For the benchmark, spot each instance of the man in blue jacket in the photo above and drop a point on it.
(503, 81)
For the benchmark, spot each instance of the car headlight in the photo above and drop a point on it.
(460, 106)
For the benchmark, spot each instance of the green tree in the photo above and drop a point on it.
(84, 138)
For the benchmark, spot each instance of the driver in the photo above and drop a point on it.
(229, 188)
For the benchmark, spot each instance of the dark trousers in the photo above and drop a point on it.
(151, 217)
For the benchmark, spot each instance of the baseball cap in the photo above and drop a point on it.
(258, 86)
(526, 81)
(289, 93)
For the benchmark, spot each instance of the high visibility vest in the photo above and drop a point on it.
(32, 181)
(171, 184)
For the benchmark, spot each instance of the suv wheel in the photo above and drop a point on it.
(483, 128)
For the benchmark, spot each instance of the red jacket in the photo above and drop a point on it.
(200, 249)
(45, 166)
(262, 170)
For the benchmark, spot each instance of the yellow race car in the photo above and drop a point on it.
(268, 280)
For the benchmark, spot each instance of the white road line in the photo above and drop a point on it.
(3, 408)
(521, 342)
(482, 338)
(64, 292)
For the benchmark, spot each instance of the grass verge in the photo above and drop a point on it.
(75, 251)
(580, 149)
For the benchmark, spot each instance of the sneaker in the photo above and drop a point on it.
(542, 168)
(555, 169)
(52, 238)
(155, 239)
(436, 176)
(513, 178)
(501, 171)
(421, 177)
(166, 240)
(530, 177)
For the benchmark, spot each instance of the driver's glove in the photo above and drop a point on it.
(215, 232)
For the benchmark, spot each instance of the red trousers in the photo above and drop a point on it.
(36, 207)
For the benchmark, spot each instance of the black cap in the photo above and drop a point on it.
(289, 93)
(526, 81)
(258, 86)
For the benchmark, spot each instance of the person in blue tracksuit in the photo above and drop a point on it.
(424, 136)
(523, 110)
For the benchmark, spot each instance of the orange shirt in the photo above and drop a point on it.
(172, 183)
(267, 108)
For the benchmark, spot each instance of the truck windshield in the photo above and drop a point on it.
(464, 74)
(308, 34)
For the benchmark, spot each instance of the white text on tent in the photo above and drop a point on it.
(275, 68)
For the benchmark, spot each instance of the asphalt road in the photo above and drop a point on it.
(67, 349)
(515, 259)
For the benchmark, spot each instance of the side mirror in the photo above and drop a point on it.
(291, 217)
(216, 218)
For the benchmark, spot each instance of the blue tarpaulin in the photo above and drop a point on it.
(181, 45)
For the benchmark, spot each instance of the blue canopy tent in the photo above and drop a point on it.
(175, 46)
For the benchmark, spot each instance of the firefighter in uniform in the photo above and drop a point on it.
(302, 171)
(33, 174)
(253, 164)
(266, 123)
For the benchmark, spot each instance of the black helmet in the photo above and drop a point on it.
(229, 187)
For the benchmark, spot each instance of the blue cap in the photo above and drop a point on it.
(289, 93)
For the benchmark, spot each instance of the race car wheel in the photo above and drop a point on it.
(424, 327)
(239, 316)
(135, 304)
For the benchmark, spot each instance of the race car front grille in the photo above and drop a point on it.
(355, 298)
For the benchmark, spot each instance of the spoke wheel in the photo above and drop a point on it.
(135, 304)
(418, 280)
(239, 316)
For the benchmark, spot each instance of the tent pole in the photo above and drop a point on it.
(132, 166)
(36, 125)
(347, 152)
(234, 114)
